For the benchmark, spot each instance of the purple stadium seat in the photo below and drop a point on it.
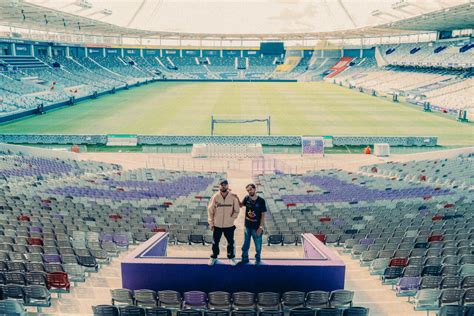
(52, 258)
(407, 286)
(195, 300)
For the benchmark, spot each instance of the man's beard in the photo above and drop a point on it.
(224, 190)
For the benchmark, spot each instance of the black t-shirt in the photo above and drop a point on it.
(253, 211)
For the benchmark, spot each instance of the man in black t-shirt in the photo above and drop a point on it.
(255, 209)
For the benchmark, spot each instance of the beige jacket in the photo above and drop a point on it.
(223, 212)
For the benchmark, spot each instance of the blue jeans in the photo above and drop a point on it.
(257, 239)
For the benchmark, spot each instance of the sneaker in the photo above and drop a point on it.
(258, 262)
(243, 262)
(212, 261)
(233, 262)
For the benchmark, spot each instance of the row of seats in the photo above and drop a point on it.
(228, 301)
(130, 310)
(148, 302)
(37, 293)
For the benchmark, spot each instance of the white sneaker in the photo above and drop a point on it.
(233, 262)
(212, 261)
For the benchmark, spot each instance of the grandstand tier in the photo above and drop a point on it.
(444, 82)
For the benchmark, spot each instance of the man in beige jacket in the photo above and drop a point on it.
(222, 211)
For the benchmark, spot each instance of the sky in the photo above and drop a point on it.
(246, 16)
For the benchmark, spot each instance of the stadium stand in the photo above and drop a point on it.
(302, 66)
(63, 219)
(318, 67)
(260, 66)
(82, 74)
(447, 172)
(359, 67)
(225, 67)
(453, 54)
(152, 189)
(292, 71)
(414, 235)
(444, 83)
(190, 66)
(410, 224)
(51, 80)
(120, 67)
(28, 82)
(434, 73)
(148, 66)
(152, 63)
(339, 67)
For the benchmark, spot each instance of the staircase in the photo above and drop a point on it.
(290, 63)
(242, 63)
(22, 62)
(171, 62)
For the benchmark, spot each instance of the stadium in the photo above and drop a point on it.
(237, 158)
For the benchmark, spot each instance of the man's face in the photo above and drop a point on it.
(251, 191)
(224, 187)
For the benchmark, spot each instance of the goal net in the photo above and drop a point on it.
(222, 119)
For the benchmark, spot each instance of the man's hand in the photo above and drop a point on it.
(259, 231)
(211, 227)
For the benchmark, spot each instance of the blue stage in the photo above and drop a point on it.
(148, 267)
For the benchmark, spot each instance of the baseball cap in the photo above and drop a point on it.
(223, 181)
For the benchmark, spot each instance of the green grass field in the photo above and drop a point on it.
(171, 108)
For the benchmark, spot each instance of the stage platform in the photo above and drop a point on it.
(148, 267)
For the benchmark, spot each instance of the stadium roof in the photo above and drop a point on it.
(30, 16)
(453, 18)
(135, 19)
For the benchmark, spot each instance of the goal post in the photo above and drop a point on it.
(239, 119)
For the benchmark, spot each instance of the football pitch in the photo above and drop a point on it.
(185, 108)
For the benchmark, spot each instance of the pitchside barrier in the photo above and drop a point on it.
(381, 150)
(273, 140)
(38, 152)
(122, 140)
(226, 150)
(230, 80)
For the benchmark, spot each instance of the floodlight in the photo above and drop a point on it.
(400, 4)
(376, 13)
(84, 4)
